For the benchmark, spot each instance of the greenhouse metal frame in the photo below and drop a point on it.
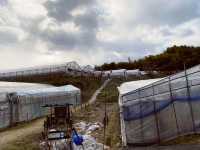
(69, 68)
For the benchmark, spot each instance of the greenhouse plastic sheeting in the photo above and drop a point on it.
(133, 85)
(49, 91)
(4, 114)
(133, 72)
(41, 69)
(121, 73)
(116, 73)
(28, 104)
(10, 87)
(161, 110)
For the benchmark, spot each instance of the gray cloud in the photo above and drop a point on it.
(59, 39)
(166, 32)
(3, 3)
(61, 9)
(67, 40)
(87, 22)
(8, 35)
(186, 33)
(7, 38)
(77, 28)
(165, 12)
(136, 48)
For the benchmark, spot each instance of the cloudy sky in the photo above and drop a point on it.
(40, 32)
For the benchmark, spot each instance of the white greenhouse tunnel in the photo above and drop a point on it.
(24, 101)
(157, 110)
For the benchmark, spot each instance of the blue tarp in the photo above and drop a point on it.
(142, 109)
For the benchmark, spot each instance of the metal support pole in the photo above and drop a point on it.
(156, 116)
(173, 106)
(189, 99)
(141, 115)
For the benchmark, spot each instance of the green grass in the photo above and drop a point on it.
(110, 95)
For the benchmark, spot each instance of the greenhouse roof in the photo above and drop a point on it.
(49, 91)
(11, 87)
(15, 86)
(127, 87)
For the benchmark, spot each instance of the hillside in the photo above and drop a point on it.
(171, 60)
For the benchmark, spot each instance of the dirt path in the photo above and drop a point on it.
(94, 96)
(20, 131)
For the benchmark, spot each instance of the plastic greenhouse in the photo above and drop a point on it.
(10, 87)
(69, 68)
(135, 72)
(26, 104)
(161, 110)
(118, 73)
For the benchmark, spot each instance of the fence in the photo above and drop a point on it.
(163, 110)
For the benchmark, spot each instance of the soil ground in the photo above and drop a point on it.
(23, 136)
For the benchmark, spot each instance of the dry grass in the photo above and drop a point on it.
(186, 139)
(30, 142)
(24, 136)
(113, 136)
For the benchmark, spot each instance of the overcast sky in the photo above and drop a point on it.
(40, 32)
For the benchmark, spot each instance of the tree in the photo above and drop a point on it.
(171, 60)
